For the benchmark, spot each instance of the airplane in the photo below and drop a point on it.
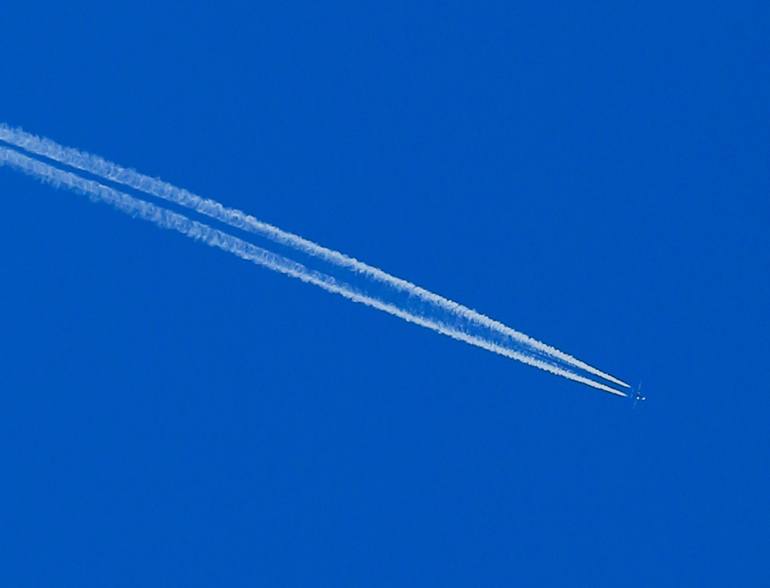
(638, 397)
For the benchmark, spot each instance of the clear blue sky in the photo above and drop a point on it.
(596, 176)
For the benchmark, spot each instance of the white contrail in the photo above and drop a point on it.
(98, 166)
(214, 237)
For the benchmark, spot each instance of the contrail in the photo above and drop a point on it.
(98, 166)
(167, 219)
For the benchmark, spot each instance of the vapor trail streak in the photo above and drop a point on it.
(215, 238)
(98, 166)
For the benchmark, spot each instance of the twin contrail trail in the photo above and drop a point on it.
(438, 313)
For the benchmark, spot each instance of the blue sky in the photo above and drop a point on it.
(594, 176)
